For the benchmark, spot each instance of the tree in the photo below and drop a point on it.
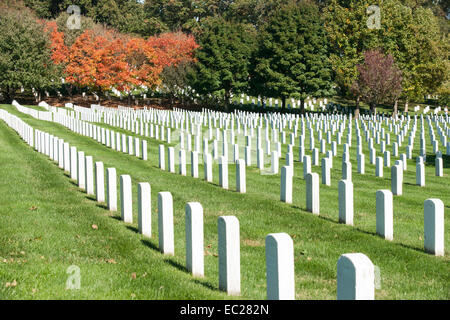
(173, 48)
(379, 80)
(223, 60)
(408, 31)
(24, 54)
(291, 60)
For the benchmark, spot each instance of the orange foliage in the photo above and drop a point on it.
(59, 49)
(109, 60)
(173, 48)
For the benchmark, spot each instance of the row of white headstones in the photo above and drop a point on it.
(355, 270)
(433, 223)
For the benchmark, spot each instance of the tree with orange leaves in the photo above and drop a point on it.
(173, 47)
(101, 61)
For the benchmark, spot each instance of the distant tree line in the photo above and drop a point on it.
(264, 48)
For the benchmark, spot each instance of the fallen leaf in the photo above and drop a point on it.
(11, 284)
(144, 275)
(162, 287)
(95, 227)
(133, 295)
(33, 291)
(309, 258)
(33, 208)
(111, 261)
(133, 275)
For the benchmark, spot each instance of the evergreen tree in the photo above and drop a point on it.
(223, 60)
(291, 60)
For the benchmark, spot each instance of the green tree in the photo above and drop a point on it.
(291, 60)
(24, 54)
(223, 60)
(411, 35)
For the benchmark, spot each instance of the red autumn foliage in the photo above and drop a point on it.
(379, 79)
(59, 49)
(106, 60)
(173, 48)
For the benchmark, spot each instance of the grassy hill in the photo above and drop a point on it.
(47, 224)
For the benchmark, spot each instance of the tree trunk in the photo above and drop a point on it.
(357, 107)
(373, 108)
(283, 103)
(406, 105)
(9, 96)
(302, 105)
(395, 108)
(227, 100)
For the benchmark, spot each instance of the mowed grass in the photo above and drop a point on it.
(60, 229)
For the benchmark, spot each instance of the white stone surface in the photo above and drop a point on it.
(223, 172)
(99, 182)
(229, 255)
(194, 238)
(434, 226)
(165, 223)
(355, 277)
(286, 184)
(111, 188)
(126, 200)
(312, 193)
(144, 209)
(280, 267)
(385, 214)
(346, 202)
(241, 183)
(89, 175)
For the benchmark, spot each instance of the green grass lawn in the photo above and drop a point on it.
(46, 226)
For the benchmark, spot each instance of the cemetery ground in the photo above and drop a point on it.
(47, 224)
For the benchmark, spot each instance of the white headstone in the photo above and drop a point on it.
(89, 175)
(434, 226)
(111, 188)
(241, 185)
(144, 209)
(229, 255)
(194, 238)
(385, 214)
(355, 277)
(346, 202)
(165, 223)
(99, 182)
(126, 201)
(280, 267)
(312, 193)
(286, 184)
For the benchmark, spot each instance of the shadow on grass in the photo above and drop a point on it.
(367, 232)
(101, 205)
(328, 219)
(134, 229)
(411, 247)
(206, 284)
(150, 245)
(176, 265)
